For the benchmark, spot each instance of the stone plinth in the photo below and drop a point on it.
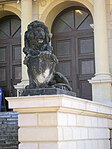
(62, 122)
(46, 91)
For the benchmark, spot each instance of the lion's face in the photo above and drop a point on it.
(36, 38)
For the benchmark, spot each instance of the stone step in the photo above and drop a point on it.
(8, 130)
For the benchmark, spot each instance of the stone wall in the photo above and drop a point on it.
(8, 130)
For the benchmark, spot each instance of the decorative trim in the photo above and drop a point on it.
(7, 1)
(59, 103)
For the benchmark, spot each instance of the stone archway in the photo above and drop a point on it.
(8, 10)
(55, 7)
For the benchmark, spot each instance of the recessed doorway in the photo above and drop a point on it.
(73, 43)
(10, 54)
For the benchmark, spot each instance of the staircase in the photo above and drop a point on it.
(8, 130)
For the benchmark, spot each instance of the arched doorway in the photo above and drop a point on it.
(73, 44)
(10, 53)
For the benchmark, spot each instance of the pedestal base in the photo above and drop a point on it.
(21, 86)
(46, 91)
(102, 88)
(62, 122)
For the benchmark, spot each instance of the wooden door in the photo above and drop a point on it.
(85, 64)
(73, 45)
(10, 54)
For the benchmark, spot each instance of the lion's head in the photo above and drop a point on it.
(36, 37)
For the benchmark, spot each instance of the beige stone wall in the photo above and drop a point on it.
(63, 131)
(62, 122)
(8, 9)
(109, 24)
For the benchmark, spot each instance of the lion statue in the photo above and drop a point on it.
(40, 60)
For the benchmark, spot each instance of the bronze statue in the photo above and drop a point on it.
(40, 60)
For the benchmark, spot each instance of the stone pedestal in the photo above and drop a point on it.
(62, 122)
(101, 88)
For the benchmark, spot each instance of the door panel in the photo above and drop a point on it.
(16, 63)
(4, 67)
(65, 68)
(63, 52)
(85, 89)
(85, 45)
(63, 46)
(86, 67)
(85, 63)
(16, 52)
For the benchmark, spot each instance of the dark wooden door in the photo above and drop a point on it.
(10, 54)
(73, 45)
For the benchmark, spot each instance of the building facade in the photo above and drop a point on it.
(81, 33)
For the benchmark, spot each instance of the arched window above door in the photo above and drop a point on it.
(73, 19)
(10, 27)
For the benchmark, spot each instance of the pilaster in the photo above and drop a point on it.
(26, 18)
(101, 83)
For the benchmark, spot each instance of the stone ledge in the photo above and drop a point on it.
(46, 91)
(62, 103)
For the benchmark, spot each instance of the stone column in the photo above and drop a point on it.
(101, 83)
(35, 12)
(62, 122)
(26, 18)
